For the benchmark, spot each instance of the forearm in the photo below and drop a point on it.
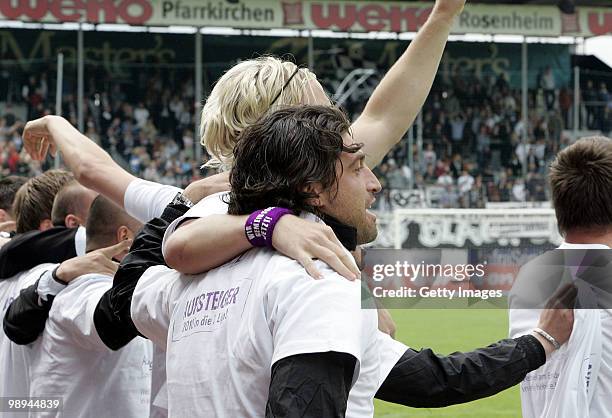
(26, 316)
(185, 247)
(92, 166)
(310, 385)
(425, 380)
(398, 98)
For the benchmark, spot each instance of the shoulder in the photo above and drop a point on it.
(215, 204)
(287, 278)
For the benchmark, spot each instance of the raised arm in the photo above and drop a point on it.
(91, 165)
(398, 98)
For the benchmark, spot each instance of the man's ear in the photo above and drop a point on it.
(124, 233)
(45, 224)
(72, 221)
(4, 216)
(314, 189)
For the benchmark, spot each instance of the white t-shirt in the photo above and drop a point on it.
(145, 200)
(73, 363)
(15, 359)
(215, 204)
(226, 328)
(576, 379)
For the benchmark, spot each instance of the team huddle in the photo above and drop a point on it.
(238, 296)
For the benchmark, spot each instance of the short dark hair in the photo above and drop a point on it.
(71, 199)
(279, 156)
(105, 217)
(581, 183)
(8, 189)
(34, 200)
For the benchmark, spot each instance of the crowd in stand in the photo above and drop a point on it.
(476, 148)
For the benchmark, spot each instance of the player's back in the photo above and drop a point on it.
(232, 324)
(73, 363)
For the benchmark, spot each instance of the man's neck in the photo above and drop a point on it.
(347, 235)
(589, 237)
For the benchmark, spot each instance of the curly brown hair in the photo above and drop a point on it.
(278, 157)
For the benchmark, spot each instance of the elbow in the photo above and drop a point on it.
(175, 254)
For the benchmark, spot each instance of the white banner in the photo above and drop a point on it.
(354, 16)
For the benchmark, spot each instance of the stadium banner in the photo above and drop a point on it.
(335, 58)
(352, 16)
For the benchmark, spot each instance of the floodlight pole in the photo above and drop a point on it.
(419, 125)
(310, 51)
(58, 96)
(198, 95)
(576, 101)
(411, 157)
(80, 81)
(525, 105)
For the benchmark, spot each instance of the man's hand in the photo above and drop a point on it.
(37, 138)
(304, 241)
(557, 319)
(96, 262)
(448, 8)
(200, 189)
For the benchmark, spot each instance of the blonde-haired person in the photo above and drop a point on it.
(253, 88)
(244, 94)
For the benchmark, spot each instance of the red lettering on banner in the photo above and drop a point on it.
(61, 9)
(146, 11)
(413, 18)
(599, 27)
(24, 7)
(372, 17)
(130, 11)
(94, 7)
(333, 18)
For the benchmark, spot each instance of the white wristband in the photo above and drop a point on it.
(548, 337)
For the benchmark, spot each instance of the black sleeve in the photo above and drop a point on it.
(311, 385)
(26, 316)
(425, 380)
(32, 248)
(112, 314)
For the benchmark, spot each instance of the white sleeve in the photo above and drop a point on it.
(145, 200)
(47, 286)
(80, 241)
(71, 315)
(389, 351)
(215, 204)
(153, 301)
(29, 277)
(314, 316)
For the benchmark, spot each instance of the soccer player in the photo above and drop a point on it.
(36, 198)
(258, 336)
(71, 361)
(577, 380)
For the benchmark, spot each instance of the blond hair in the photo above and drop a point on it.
(243, 95)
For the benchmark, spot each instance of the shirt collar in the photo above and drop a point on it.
(347, 235)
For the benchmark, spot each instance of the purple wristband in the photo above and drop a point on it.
(259, 227)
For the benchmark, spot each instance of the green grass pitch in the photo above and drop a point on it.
(446, 331)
